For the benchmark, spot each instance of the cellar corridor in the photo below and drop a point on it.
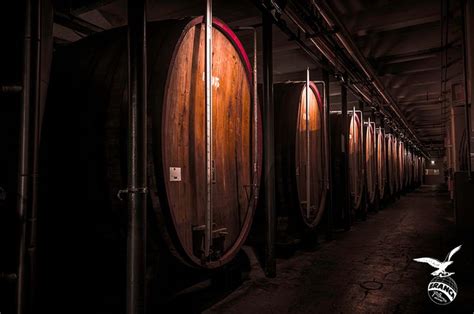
(366, 270)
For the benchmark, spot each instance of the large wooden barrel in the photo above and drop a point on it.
(356, 161)
(406, 167)
(396, 164)
(370, 161)
(381, 162)
(409, 167)
(300, 158)
(401, 164)
(391, 164)
(416, 170)
(84, 151)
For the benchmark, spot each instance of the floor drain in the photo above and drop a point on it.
(372, 285)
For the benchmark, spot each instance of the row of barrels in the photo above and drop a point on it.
(89, 78)
(379, 164)
(84, 147)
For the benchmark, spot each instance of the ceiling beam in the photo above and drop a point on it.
(421, 38)
(395, 15)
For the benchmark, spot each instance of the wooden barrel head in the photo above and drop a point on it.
(401, 165)
(396, 178)
(183, 137)
(316, 151)
(356, 172)
(370, 162)
(381, 163)
(391, 167)
(291, 148)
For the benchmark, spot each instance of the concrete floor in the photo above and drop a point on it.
(369, 269)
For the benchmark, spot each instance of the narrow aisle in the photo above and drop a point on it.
(368, 269)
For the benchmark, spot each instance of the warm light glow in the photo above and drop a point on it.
(432, 162)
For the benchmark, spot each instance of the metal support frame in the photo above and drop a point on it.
(24, 162)
(269, 146)
(137, 157)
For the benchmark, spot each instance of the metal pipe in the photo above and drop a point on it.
(466, 86)
(36, 94)
(208, 112)
(345, 137)
(359, 59)
(23, 198)
(291, 35)
(308, 153)
(322, 47)
(269, 147)
(137, 157)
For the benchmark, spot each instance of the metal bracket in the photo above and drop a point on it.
(131, 190)
(6, 89)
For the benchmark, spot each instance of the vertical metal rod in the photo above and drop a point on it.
(36, 101)
(327, 143)
(351, 143)
(345, 136)
(308, 148)
(24, 162)
(269, 144)
(208, 95)
(255, 116)
(466, 86)
(328, 165)
(362, 149)
(137, 157)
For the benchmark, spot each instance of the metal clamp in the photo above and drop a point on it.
(8, 277)
(131, 190)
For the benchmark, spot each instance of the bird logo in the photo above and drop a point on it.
(441, 266)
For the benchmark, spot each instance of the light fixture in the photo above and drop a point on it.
(432, 162)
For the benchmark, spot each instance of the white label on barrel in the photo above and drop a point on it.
(214, 80)
(175, 174)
